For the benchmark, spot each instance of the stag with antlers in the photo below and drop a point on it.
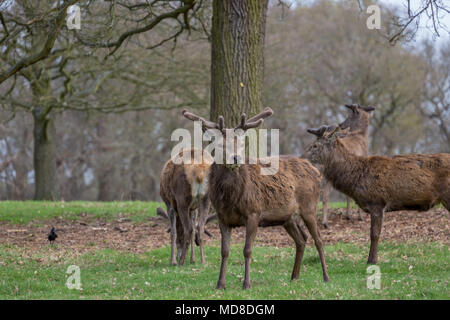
(242, 196)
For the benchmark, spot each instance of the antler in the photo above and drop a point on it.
(254, 121)
(205, 123)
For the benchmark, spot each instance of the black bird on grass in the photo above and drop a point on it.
(52, 235)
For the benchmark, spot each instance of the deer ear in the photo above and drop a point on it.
(353, 107)
(317, 132)
(313, 131)
(368, 109)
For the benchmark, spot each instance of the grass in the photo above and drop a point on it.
(413, 271)
(337, 205)
(408, 270)
(22, 212)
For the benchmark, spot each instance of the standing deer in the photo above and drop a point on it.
(242, 196)
(358, 143)
(183, 188)
(382, 184)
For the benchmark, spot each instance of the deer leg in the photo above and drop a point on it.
(325, 197)
(446, 204)
(179, 238)
(376, 221)
(192, 236)
(311, 224)
(347, 213)
(187, 233)
(360, 218)
(445, 199)
(173, 236)
(293, 230)
(251, 227)
(204, 210)
(225, 250)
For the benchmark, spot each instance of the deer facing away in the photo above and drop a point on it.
(183, 188)
(382, 184)
(358, 143)
(241, 196)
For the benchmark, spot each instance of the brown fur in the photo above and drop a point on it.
(179, 193)
(357, 122)
(381, 184)
(296, 179)
(242, 196)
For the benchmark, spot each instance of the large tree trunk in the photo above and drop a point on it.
(44, 157)
(237, 61)
(105, 167)
(45, 175)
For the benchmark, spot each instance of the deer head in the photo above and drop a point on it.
(233, 139)
(358, 119)
(318, 151)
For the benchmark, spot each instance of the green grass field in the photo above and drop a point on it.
(21, 212)
(408, 270)
(414, 271)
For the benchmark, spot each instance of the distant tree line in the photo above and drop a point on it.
(88, 114)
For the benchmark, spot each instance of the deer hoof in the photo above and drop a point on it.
(246, 286)
(372, 260)
(220, 286)
(325, 225)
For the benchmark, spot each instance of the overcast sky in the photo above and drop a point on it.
(426, 26)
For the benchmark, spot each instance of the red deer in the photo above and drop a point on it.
(358, 143)
(183, 188)
(242, 196)
(382, 184)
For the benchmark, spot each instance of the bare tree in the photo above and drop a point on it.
(406, 21)
(68, 74)
(436, 102)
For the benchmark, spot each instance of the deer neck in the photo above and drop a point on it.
(343, 169)
(227, 184)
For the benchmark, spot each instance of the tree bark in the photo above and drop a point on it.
(105, 167)
(45, 175)
(237, 61)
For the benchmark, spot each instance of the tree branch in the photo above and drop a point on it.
(25, 62)
(115, 45)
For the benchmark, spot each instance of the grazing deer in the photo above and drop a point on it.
(242, 196)
(358, 143)
(183, 188)
(382, 184)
